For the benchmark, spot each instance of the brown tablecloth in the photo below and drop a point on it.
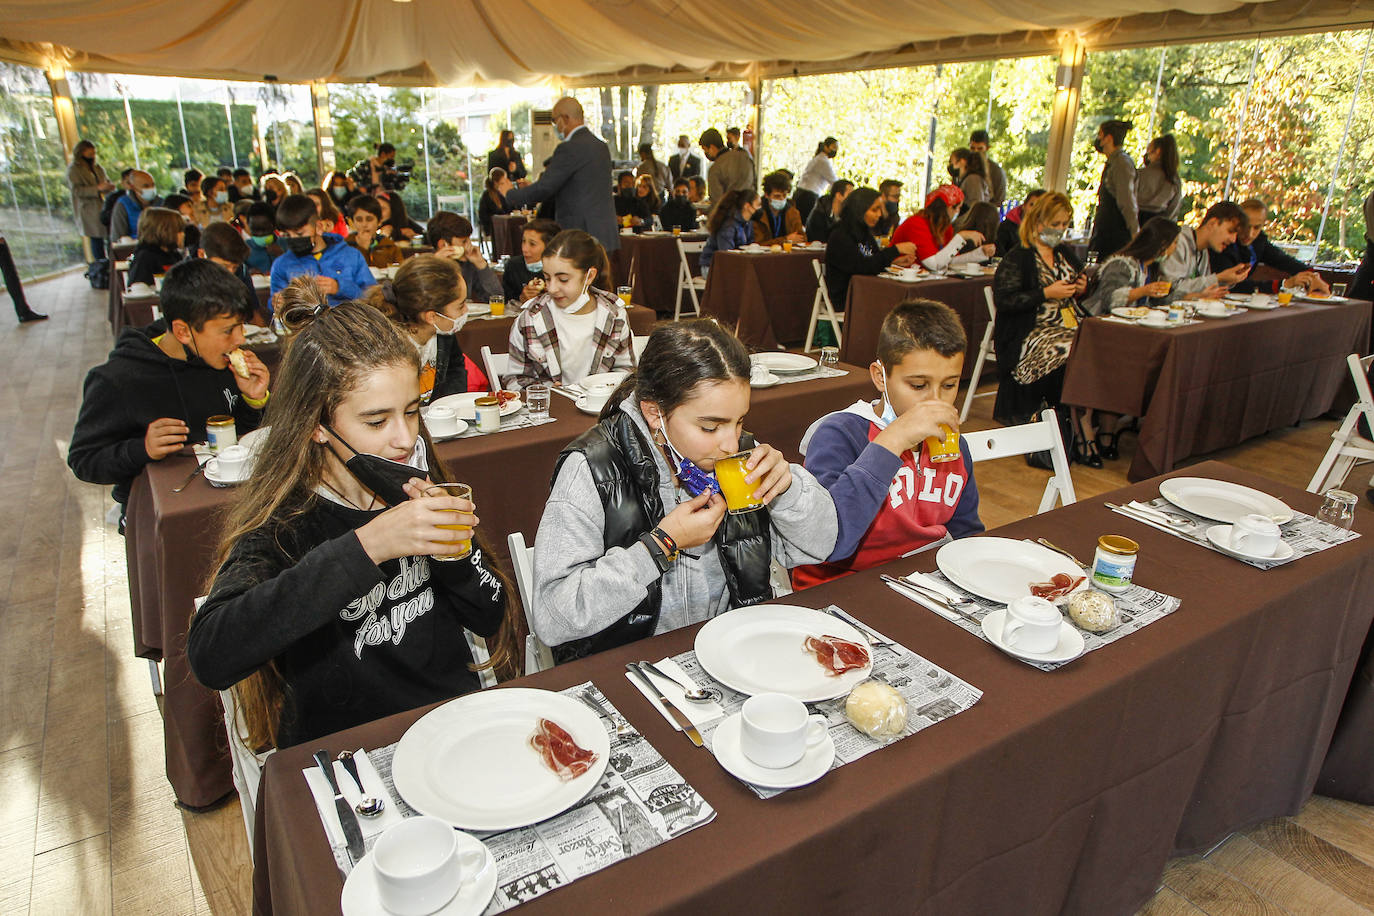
(766, 298)
(505, 234)
(138, 312)
(871, 298)
(172, 539)
(1214, 384)
(653, 262)
(1058, 793)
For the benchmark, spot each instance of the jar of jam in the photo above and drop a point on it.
(1114, 563)
(488, 414)
(221, 433)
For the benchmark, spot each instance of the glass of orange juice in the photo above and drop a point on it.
(730, 473)
(943, 449)
(1285, 296)
(498, 306)
(462, 544)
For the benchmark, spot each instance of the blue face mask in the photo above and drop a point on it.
(148, 193)
(889, 414)
(777, 204)
(693, 479)
(535, 267)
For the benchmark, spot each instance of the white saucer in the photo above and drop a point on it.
(216, 479)
(1070, 640)
(479, 309)
(581, 404)
(769, 383)
(462, 428)
(813, 765)
(1220, 536)
(360, 890)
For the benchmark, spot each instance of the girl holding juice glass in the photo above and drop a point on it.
(636, 538)
(326, 610)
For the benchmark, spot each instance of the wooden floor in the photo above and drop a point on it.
(90, 824)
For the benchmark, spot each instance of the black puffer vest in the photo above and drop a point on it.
(622, 467)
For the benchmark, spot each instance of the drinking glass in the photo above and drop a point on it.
(623, 293)
(830, 357)
(1338, 508)
(498, 306)
(537, 402)
(462, 533)
(1338, 290)
(730, 473)
(944, 449)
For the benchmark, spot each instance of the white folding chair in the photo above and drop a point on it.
(1347, 445)
(1041, 436)
(686, 280)
(497, 367)
(538, 657)
(480, 655)
(637, 345)
(821, 307)
(985, 355)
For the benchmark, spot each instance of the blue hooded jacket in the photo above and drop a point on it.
(338, 260)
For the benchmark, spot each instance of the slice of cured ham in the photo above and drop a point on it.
(836, 655)
(1057, 587)
(560, 752)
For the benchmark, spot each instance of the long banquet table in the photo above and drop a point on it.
(1058, 793)
(871, 298)
(765, 297)
(1214, 384)
(171, 539)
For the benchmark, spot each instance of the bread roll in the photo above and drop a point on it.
(1092, 610)
(877, 710)
(238, 363)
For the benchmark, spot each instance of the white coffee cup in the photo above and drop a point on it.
(419, 866)
(1032, 624)
(1257, 535)
(233, 461)
(775, 730)
(1258, 298)
(441, 421)
(599, 393)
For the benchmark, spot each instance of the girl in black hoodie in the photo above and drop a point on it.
(328, 609)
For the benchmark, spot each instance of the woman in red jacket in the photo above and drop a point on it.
(932, 232)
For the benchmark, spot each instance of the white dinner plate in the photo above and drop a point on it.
(261, 281)
(465, 404)
(596, 378)
(216, 479)
(1220, 536)
(1070, 644)
(784, 363)
(1221, 500)
(469, 762)
(479, 309)
(1265, 305)
(1131, 312)
(1001, 569)
(759, 650)
(814, 764)
(1321, 300)
(360, 890)
(1219, 313)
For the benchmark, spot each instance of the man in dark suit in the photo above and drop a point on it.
(577, 177)
(683, 164)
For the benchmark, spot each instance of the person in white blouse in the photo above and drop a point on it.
(817, 176)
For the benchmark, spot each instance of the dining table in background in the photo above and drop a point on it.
(1058, 792)
(410, 251)
(506, 229)
(122, 251)
(648, 262)
(1218, 382)
(171, 540)
(137, 311)
(871, 298)
(766, 297)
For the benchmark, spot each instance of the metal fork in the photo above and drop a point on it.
(873, 639)
(621, 728)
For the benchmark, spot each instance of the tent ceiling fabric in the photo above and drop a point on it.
(526, 42)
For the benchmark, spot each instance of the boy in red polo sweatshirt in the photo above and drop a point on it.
(890, 498)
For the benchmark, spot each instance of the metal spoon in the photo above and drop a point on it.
(370, 806)
(694, 693)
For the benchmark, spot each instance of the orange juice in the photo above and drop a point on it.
(1285, 297)
(498, 306)
(787, 245)
(943, 449)
(739, 495)
(462, 545)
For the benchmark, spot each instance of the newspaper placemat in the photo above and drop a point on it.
(810, 375)
(518, 420)
(1304, 533)
(640, 802)
(932, 695)
(1137, 607)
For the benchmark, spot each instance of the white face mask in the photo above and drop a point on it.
(580, 301)
(457, 324)
(889, 414)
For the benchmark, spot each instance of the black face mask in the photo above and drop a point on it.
(1097, 144)
(296, 244)
(389, 163)
(384, 477)
(891, 206)
(271, 197)
(680, 198)
(954, 172)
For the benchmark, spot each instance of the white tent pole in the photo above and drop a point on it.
(424, 128)
(1244, 113)
(181, 116)
(1154, 102)
(229, 121)
(377, 101)
(129, 117)
(987, 121)
(37, 162)
(467, 147)
(1340, 150)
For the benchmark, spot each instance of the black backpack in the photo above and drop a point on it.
(99, 274)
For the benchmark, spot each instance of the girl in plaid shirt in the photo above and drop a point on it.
(576, 327)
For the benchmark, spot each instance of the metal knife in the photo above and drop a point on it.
(352, 830)
(930, 595)
(677, 715)
(1157, 524)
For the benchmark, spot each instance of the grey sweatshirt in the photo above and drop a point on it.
(1117, 276)
(581, 589)
(1118, 177)
(1187, 268)
(1156, 193)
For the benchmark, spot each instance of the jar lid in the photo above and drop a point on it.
(487, 401)
(219, 420)
(1115, 543)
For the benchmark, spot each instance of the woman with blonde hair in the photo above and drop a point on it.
(1036, 290)
(332, 604)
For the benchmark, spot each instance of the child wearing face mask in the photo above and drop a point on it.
(339, 269)
(428, 300)
(523, 278)
(334, 603)
(635, 539)
(217, 205)
(261, 238)
(891, 500)
(678, 212)
(577, 326)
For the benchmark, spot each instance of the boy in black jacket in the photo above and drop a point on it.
(160, 384)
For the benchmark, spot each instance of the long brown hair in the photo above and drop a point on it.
(424, 283)
(331, 351)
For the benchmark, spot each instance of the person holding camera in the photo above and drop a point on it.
(372, 173)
